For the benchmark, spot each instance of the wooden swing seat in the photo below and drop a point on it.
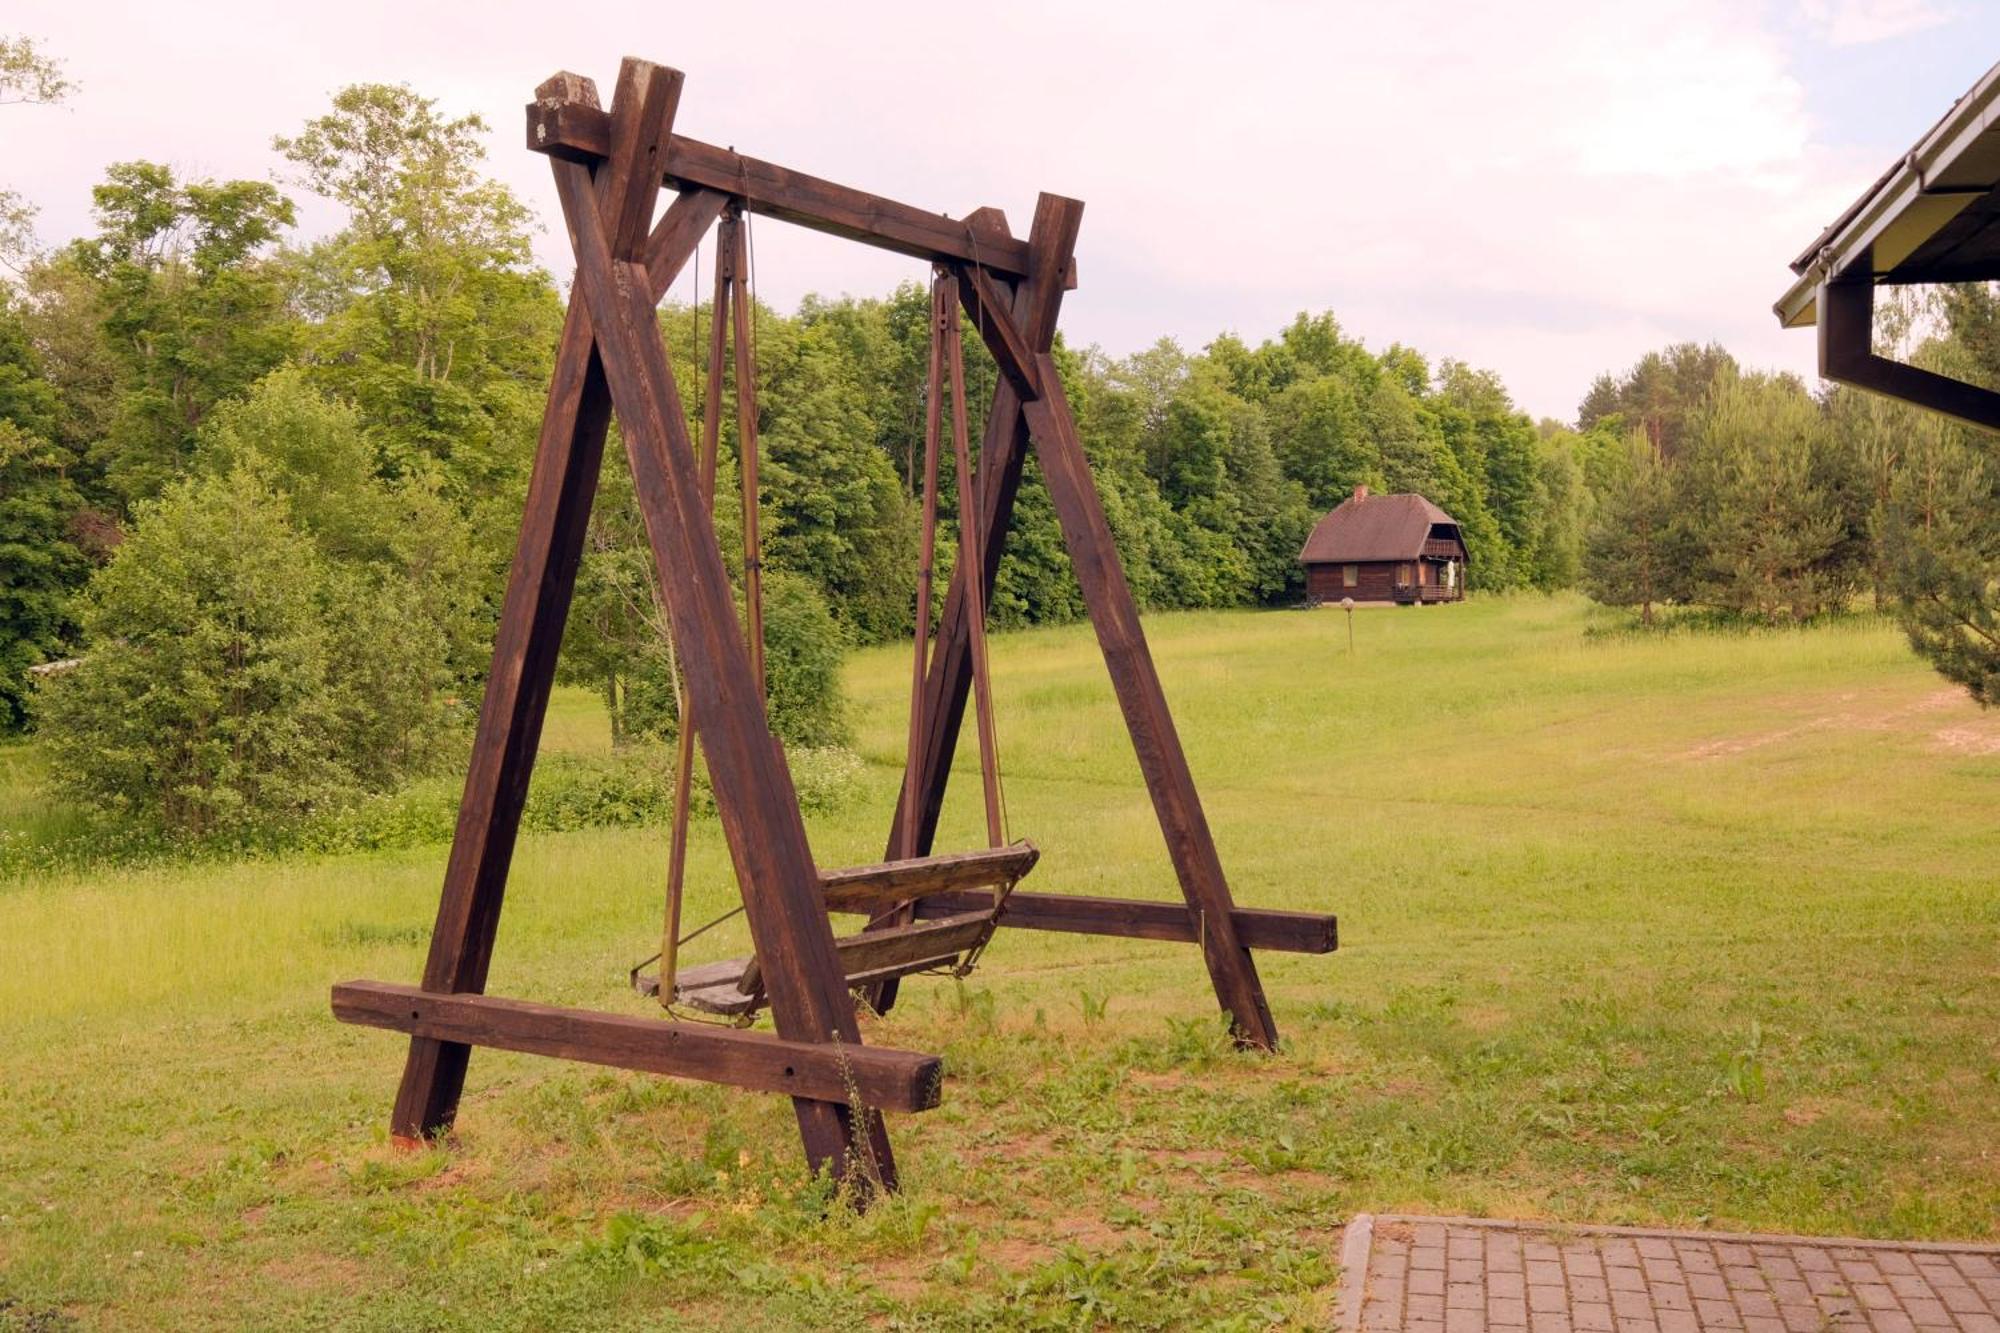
(735, 986)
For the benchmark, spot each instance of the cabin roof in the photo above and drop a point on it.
(1374, 527)
(1933, 216)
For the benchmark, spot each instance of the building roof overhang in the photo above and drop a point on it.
(1933, 217)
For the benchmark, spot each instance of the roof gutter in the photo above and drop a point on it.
(1903, 210)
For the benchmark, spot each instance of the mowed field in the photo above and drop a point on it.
(1701, 930)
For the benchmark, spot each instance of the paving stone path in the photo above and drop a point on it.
(1445, 1275)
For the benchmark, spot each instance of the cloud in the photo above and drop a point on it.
(1858, 22)
(1544, 191)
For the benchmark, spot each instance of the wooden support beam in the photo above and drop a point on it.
(576, 132)
(1114, 615)
(989, 307)
(687, 220)
(878, 1077)
(1003, 452)
(561, 487)
(753, 791)
(1134, 919)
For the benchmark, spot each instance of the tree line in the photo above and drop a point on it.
(258, 493)
(1744, 496)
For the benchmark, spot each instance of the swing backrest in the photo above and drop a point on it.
(877, 888)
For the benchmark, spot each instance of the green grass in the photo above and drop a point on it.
(1688, 929)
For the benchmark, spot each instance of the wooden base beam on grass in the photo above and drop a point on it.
(875, 1076)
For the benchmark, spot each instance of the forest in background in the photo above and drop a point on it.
(265, 488)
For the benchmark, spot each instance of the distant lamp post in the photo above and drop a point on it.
(1347, 605)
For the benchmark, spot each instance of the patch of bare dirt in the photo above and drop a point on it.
(1972, 733)
(1969, 739)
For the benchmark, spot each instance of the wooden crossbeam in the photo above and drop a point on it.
(577, 132)
(876, 1076)
(1136, 919)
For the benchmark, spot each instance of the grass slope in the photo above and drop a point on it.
(1684, 930)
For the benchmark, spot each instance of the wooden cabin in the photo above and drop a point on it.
(1385, 548)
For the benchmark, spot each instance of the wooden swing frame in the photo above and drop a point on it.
(609, 168)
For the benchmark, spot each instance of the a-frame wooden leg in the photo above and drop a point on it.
(560, 489)
(753, 791)
(1115, 616)
(1002, 452)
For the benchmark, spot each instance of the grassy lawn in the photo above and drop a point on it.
(1690, 930)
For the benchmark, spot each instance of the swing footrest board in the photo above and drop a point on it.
(879, 955)
(877, 1076)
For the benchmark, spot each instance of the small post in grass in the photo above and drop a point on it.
(1347, 605)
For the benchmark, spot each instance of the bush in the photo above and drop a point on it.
(236, 679)
(630, 787)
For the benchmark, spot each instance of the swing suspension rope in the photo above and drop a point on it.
(947, 354)
(734, 306)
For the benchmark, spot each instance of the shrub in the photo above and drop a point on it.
(236, 678)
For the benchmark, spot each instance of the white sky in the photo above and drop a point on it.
(1544, 189)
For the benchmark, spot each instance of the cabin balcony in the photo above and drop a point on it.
(1415, 594)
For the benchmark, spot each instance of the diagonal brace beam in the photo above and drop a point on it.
(754, 795)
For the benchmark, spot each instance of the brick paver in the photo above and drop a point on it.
(1442, 1275)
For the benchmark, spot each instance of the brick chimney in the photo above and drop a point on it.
(1361, 492)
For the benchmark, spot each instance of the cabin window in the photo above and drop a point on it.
(1350, 575)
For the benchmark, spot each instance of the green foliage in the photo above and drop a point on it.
(27, 74)
(40, 562)
(194, 310)
(429, 314)
(1764, 503)
(208, 702)
(1635, 554)
(804, 647)
(1941, 557)
(1661, 395)
(803, 650)
(240, 674)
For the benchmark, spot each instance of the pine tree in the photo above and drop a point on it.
(1940, 552)
(1632, 554)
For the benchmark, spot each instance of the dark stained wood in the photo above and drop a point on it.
(647, 97)
(920, 943)
(870, 888)
(1002, 453)
(890, 1080)
(741, 320)
(1846, 354)
(687, 220)
(987, 306)
(581, 133)
(753, 790)
(971, 551)
(1115, 617)
(608, 170)
(926, 554)
(1139, 919)
(711, 445)
(561, 486)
